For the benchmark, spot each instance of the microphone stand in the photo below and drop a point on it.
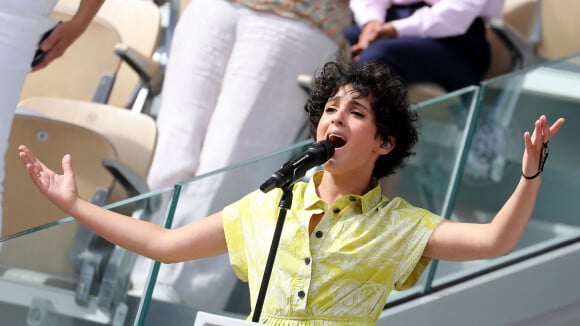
(284, 204)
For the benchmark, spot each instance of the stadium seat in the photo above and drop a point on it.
(124, 34)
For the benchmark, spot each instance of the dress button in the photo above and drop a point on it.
(301, 294)
(352, 198)
(307, 260)
(336, 210)
(319, 234)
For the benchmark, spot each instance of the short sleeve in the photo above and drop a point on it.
(420, 224)
(232, 220)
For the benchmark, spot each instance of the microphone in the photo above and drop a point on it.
(294, 170)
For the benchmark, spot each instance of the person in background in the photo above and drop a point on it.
(230, 94)
(438, 41)
(29, 42)
(344, 246)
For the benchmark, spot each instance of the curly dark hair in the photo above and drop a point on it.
(388, 98)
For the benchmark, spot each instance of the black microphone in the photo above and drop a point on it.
(295, 170)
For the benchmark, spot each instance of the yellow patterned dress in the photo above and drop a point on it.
(341, 274)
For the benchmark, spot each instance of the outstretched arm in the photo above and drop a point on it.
(201, 238)
(66, 33)
(468, 241)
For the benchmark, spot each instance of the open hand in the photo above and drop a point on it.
(60, 189)
(543, 132)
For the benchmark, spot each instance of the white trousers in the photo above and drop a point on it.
(230, 94)
(21, 25)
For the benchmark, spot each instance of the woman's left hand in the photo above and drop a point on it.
(536, 145)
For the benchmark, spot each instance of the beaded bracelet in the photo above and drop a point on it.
(544, 154)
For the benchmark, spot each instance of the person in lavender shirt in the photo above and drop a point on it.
(438, 41)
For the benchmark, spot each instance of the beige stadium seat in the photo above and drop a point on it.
(139, 24)
(136, 26)
(23, 206)
(133, 135)
(82, 275)
(108, 145)
(560, 27)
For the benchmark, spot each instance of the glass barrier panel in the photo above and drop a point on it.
(428, 178)
(509, 106)
(63, 274)
(427, 175)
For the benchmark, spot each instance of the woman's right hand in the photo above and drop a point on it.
(60, 189)
(371, 32)
(368, 34)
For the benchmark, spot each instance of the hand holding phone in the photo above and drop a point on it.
(39, 54)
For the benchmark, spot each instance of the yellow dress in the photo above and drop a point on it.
(363, 247)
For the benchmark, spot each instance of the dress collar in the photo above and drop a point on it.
(367, 201)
